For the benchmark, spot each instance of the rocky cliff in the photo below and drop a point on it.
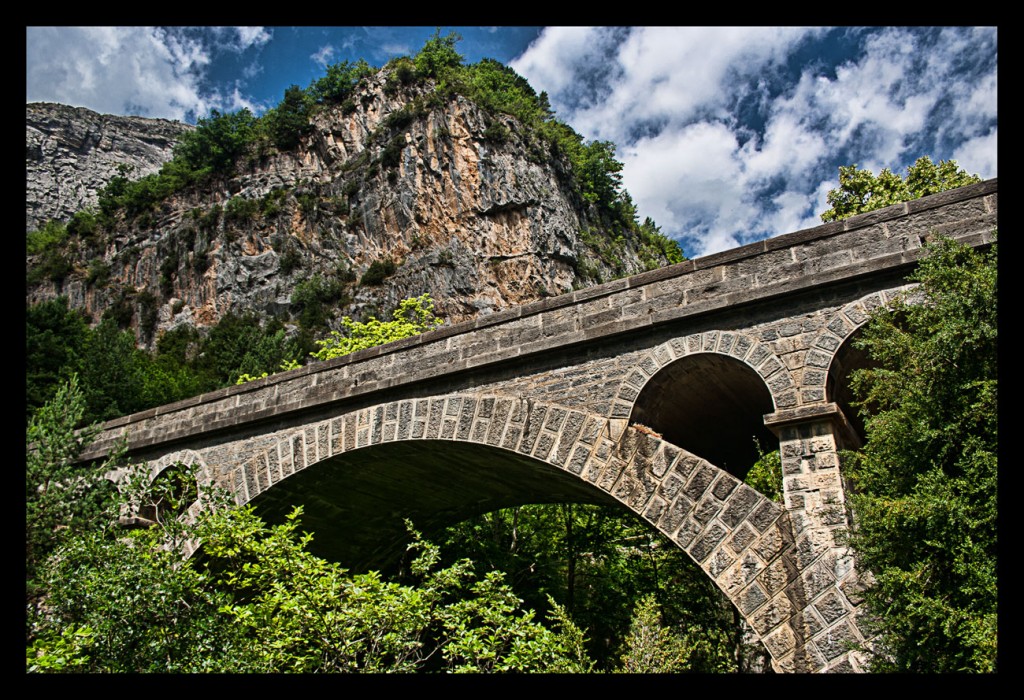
(395, 193)
(72, 152)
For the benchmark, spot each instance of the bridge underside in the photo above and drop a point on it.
(356, 503)
(710, 405)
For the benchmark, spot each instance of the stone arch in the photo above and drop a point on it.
(829, 359)
(739, 538)
(750, 380)
(160, 467)
(741, 346)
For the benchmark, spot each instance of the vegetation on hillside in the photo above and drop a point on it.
(185, 362)
(117, 378)
(222, 142)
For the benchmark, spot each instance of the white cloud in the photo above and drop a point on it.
(148, 71)
(324, 56)
(979, 156)
(691, 182)
(116, 70)
(790, 214)
(555, 58)
(872, 105)
(395, 49)
(235, 39)
(980, 103)
(252, 36)
(644, 75)
(788, 150)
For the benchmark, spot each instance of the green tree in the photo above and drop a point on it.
(766, 474)
(61, 498)
(112, 371)
(217, 141)
(412, 317)
(925, 483)
(289, 121)
(598, 563)
(102, 597)
(55, 337)
(861, 191)
(651, 647)
(340, 81)
(255, 600)
(438, 55)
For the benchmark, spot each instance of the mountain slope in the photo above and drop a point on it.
(72, 152)
(345, 203)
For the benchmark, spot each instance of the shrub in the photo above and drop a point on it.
(378, 271)
(98, 274)
(496, 132)
(307, 203)
(239, 209)
(314, 296)
(412, 317)
(52, 234)
(289, 260)
(391, 156)
(147, 314)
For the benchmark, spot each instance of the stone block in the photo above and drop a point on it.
(780, 641)
(743, 536)
(703, 546)
(687, 532)
(707, 508)
(740, 503)
(700, 480)
(771, 615)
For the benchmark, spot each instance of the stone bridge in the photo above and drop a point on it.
(646, 392)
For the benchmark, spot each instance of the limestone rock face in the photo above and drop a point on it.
(72, 152)
(426, 194)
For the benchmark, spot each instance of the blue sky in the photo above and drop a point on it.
(728, 135)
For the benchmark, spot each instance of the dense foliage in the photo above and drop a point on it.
(611, 572)
(861, 191)
(117, 378)
(101, 598)
(925, 496)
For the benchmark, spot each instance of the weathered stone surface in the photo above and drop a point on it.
(72, 152)
(482, 226)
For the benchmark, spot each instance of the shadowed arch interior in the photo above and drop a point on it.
(356, 503)
(846, 361)
(711, 405)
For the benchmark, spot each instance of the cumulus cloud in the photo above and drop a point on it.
(728, 135)
(147, 71)
(979, 155)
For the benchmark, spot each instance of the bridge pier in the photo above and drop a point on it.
(825, 595)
